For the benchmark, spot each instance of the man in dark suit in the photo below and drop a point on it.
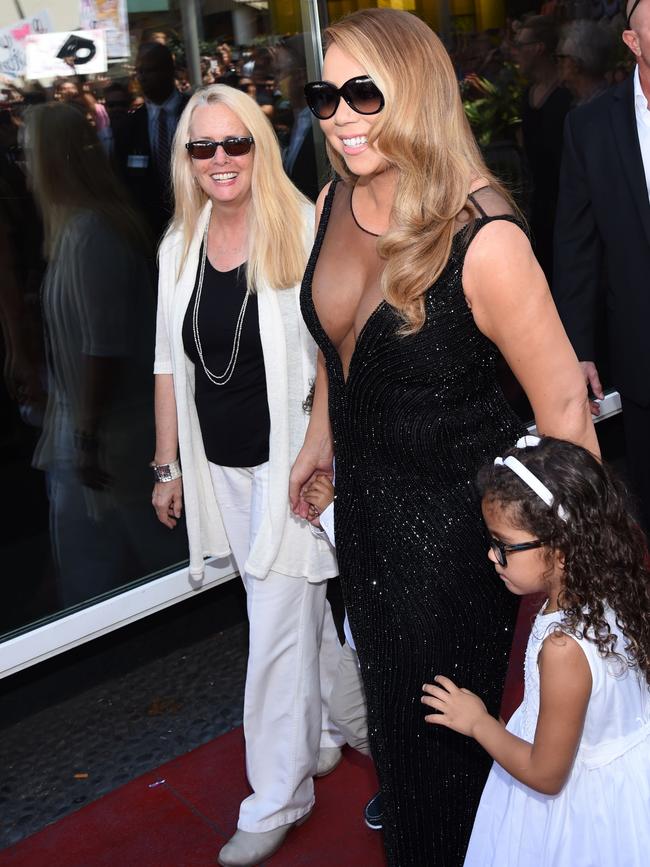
(602, 243)
(143, 146)
(299, 157)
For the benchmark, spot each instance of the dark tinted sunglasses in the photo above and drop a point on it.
(501, 550)
(360, 93)
(205, 148)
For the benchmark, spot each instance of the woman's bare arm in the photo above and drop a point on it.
(166, 421)
(317, 453)
(167, 497)
(512, 305)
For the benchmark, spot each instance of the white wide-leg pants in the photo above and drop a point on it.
(348, 701)
(293, 657)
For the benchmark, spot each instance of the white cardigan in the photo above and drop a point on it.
(284, 543)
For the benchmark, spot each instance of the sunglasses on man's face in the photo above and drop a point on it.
(501, 550)
(360, 93)
(205, 148)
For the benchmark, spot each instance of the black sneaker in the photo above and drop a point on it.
(373, 812)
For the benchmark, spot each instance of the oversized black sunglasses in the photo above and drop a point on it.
(501, 550)
(360, 93)
(205, 148)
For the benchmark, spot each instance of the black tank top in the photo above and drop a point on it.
(234, 417)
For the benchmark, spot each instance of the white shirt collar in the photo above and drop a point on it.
(642, 117)
(168, 105)
(640, 99)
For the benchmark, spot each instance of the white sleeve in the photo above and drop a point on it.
(348, 633)
(327, 523)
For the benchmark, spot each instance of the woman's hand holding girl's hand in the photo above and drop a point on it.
(458, 709)
(319, 493)
(167, 500)
(308, 466)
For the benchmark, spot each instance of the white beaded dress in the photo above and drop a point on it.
(602, 815)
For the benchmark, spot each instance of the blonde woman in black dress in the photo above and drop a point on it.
(420, 271)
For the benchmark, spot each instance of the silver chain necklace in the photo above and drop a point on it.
(216, 378)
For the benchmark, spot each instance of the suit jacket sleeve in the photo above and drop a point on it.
(578, 259)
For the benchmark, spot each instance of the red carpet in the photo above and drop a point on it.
(180, 815)
(514, 689)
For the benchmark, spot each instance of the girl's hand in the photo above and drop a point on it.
(319, 492)
(314, 517)
(458, 709)
(308, 466)
(167, 500)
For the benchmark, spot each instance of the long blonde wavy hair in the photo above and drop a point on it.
(424, 134)
(276, 219)
(69, 172)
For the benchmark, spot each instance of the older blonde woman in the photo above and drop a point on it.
(420, 267)
(234, 364)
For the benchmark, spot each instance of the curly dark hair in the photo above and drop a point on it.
(603, 547)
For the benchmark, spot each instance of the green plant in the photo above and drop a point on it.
(493, 108)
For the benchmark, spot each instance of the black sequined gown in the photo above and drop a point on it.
(415, 420)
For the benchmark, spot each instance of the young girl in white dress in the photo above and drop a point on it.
(570, 784)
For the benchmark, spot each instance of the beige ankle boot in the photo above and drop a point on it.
(245, 848)
(329, 758)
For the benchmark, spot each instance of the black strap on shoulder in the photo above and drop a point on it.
(484, 221)
(473, 200)
(332, 190)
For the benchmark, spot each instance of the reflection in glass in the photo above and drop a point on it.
(98, 309)
(299, 155)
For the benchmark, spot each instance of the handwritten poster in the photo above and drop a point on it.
(110, 16)
(12, 42)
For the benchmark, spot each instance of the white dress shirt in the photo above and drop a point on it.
(642, 112)
(170, 107)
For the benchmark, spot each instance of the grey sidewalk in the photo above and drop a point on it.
(58, 757)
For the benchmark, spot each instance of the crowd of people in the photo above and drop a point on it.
(327, 402)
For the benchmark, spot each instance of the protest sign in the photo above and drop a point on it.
(12, 42)
(45, 53)
(110, 16)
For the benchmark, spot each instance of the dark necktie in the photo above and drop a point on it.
(163, 151)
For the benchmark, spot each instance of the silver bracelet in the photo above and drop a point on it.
(166, 472)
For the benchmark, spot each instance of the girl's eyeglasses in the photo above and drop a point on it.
(501, 550)
(360, 93)
(234, 146)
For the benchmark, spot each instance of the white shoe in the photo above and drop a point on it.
(246, 849)
(329, 758)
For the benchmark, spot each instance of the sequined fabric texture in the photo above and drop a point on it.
(412, 424)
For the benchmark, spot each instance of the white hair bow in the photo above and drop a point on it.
(529, 478)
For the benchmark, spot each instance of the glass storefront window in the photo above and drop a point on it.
(82, 205)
